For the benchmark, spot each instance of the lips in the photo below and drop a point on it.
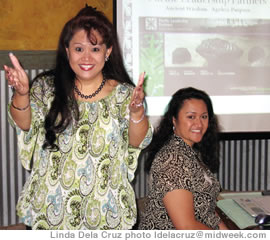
(86, 67)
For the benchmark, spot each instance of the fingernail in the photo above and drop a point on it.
(11, 54)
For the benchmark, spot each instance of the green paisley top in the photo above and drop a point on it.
(86, 183)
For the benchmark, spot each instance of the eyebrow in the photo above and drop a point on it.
(89, 43)
(196, 112)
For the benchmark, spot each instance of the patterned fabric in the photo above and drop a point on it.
(86, 184)
(177, 166)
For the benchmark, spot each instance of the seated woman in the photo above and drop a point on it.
(182, 159)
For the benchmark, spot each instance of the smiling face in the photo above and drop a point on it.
(192, 121)
(87, 60)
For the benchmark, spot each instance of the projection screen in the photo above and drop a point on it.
(219, 46)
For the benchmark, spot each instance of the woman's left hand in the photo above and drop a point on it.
(136, 103)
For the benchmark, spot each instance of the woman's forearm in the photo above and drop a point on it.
(138, 127)
(20, 111)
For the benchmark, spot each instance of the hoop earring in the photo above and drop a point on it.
(106, 59)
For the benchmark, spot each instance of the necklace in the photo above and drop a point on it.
(93, 94)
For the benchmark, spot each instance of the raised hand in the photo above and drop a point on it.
(17, 77)
(136, 103)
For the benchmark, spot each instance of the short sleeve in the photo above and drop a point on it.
(172, 173)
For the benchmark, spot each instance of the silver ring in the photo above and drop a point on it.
(11, 87)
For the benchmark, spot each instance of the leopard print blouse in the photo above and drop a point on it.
(177, 166)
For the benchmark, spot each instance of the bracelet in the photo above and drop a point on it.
(137, 121)
(20, 109)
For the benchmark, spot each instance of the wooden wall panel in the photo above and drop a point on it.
(36, 25)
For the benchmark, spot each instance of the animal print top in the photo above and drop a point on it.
(177, 166)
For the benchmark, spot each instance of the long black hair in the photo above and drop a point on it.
(208, 146)
(64, 103)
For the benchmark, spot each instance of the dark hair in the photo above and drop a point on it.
(208, 147)
(64, 103)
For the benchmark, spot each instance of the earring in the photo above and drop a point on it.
(173, 128)
(106, 58)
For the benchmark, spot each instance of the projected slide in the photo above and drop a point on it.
(220, 46)
(220, 63)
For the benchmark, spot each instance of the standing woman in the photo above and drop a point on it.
(182, 159)
(80, 128)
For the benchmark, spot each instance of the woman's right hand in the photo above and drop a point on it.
(17, 77)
